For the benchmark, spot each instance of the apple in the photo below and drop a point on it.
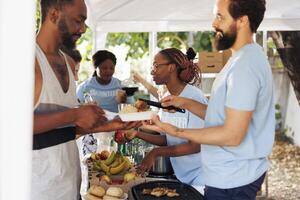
(104, 155)
(120, 137)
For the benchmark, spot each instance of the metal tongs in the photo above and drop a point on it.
(158, 105)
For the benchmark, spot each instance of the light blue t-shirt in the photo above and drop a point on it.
(187, 168)
(104, 95)
(245, 84)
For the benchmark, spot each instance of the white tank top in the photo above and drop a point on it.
(55, 160)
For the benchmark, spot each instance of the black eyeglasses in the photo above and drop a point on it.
(155, 65)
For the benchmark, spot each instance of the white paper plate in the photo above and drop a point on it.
(125, 197)
(137, 116)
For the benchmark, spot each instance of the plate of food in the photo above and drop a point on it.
(136, 112)
(132, 112)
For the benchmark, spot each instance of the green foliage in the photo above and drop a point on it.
(203, 41)
(85, 45)
(136, 42)
(172, 39)
(37, 16)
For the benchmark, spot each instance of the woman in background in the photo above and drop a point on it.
(102, 88)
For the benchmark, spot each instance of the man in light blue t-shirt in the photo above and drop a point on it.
(239, 119)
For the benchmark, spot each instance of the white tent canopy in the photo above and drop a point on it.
(178, 15)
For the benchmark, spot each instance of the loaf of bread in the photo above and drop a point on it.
(97, 191)
(115, 192)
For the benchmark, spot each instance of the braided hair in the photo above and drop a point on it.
(187, 71)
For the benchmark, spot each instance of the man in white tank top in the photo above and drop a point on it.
(55, 162)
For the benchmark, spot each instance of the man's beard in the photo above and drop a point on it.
(225, 40)
(66, 36)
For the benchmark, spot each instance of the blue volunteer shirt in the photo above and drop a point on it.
(245, 84)
(104, 95)
(188, 168)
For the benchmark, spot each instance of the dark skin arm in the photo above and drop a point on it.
(159, 140)
(168, 151)
(163, 150)
(112, 125)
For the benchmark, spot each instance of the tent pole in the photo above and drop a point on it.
(265, 39)
(152, 46)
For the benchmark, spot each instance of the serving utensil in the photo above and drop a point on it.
(158, 105)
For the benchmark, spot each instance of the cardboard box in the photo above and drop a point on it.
(213, 62)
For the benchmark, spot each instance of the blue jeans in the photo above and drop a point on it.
(246, 192)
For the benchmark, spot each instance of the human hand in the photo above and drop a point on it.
(148, 161)
(118, 124)
(87, 116)
(175, 101)
(149, 125)
(156, 125)
(123, 136)
(137, 77)
(130, 134)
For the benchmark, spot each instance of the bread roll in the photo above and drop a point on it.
(115, 192)
(92, 197)
(96, 191)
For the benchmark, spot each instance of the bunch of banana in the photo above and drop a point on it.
(111, 158)
(114, 164)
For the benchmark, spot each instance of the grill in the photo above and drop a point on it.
(185, 191)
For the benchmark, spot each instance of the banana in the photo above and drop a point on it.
(118, 169)
(128, 164)
(115, 163)
(104, 167)
(97, 165)
(93, 156)
(111, 158)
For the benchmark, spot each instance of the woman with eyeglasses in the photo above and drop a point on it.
(177, 71)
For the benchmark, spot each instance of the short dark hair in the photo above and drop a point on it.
(254, 9)
(46, 4)
(102, 55)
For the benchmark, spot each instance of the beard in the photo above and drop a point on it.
(66, 36)
(225, 40)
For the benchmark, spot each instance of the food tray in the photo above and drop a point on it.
(184, 190)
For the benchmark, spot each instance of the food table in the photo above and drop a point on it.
(133, 185)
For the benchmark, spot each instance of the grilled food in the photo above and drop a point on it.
(160, 191)
(141, 105)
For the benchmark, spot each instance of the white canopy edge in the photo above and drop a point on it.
(177, 15)
(177, 26)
